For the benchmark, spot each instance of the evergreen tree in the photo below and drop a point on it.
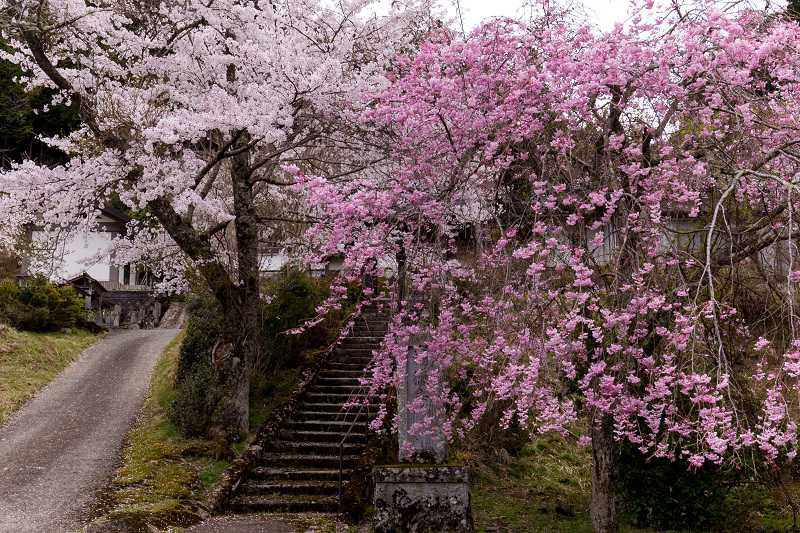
(23, 118)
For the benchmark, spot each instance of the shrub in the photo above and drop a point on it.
(40, 306)
(193, 373)
(290, 299)
(667, 494)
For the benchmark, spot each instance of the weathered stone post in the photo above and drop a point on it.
(429, 447)
(426, 495)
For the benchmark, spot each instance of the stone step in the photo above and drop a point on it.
(309, 447)
(361, 363)
(325, 425)
(337, 389)
(355, 436)
(325, 407)
(367, 341)
(358, 359)
(286, 460)
(337, 373)
(274, 488)
(348, 381)
(369, 330)
(370, 317)
(297, 474)
(333, 398)
(355, 355)
(340, 414)
(371, 347)
(287, 504)
(350, 352)
(335, 365)
(378, 326)
(372, 333)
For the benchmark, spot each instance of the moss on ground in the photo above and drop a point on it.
(157, 481)
(29, 361)
(164, 475)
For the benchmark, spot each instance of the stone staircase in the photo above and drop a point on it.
(299, 471)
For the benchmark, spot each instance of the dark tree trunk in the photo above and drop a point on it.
(228, 402)
(601, 508)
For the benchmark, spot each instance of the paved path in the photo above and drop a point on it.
(62, 446)
(234, 525)
(273, 523)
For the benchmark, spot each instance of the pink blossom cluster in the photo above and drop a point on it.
(602, 178)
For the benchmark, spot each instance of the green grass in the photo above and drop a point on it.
(29, 361)
(547, 485)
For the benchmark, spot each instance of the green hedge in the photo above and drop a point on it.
(40, 306)
(667, 493)
(193, 375)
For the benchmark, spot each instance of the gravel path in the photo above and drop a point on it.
(273, 523)
(62, 446)
(253, 525)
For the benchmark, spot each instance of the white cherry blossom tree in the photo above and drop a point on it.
(187, 111)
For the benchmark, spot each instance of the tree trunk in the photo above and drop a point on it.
(601, 508)
(228, 401)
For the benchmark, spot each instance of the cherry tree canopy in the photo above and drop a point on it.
(187, 108)
(631, 202)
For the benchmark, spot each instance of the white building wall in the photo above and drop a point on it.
(70, 257)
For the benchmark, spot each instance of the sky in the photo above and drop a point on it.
(607, 11)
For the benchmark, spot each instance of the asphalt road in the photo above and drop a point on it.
(63, 445)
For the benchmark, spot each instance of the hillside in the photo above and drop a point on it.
(29, 361)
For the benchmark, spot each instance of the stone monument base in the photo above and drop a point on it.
(422, 499)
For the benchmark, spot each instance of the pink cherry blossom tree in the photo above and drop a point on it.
(624, 195)
(187, 110)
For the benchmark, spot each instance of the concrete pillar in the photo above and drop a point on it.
(426, 496)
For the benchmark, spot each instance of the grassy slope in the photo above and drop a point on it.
(546, 487)
(29, 361)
